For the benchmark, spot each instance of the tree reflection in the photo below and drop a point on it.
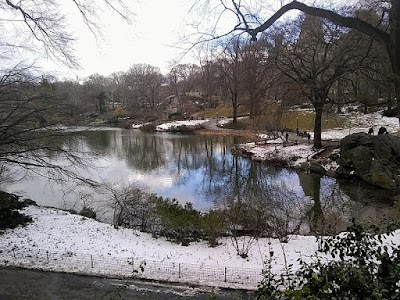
(278, 201)
(311, 184)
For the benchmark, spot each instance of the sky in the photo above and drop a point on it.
(150, 38)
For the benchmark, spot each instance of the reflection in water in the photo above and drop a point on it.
(200, 170)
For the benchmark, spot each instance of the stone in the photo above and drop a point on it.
(317, 168)
(374, 159)
(331, 173)
(380, 175)
(341, 171)
(360, 158)
(305, 166)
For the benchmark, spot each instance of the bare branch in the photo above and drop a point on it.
(349, 22)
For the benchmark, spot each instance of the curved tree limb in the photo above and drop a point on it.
(380, 36)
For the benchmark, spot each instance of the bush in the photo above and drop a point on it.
(363, 269)
(9, 215)
(185, 129)
(213, 225)
(179, 224)
(88, 212)
(148, 128)
(392, 112)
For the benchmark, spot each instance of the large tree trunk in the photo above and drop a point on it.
(394, 48)
(319, 108)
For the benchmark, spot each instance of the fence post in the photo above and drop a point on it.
(13, 252)
(133, 265)
(179, 270)
(225, 274)
(47, 255)
(91, 260)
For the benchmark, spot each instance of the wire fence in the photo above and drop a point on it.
(128, 267)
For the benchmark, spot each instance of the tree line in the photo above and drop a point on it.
(303, 60)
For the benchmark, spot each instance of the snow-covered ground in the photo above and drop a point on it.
(60, 241)
(176, 124)
(361, 123)
(171, 125)
(274, 148)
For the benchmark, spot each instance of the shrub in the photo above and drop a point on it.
(148, 127)
(390, 112)
(179, 224)
(185, 129)
(364, 269)
(213, 225)
(9, 215)
(88, 212)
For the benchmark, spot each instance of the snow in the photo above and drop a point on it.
(171, 125)
(293, 154)
(187, 123)
(60, 241)
(361, 123)
(273, 148)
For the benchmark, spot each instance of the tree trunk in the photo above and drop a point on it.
(234, 107)
(319, 108)
(394, 48)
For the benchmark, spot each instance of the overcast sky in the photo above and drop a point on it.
(150, 39)
(156, 27)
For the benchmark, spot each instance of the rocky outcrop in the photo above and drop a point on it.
(374, 159)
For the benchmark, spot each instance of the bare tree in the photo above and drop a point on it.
(230, 65)
(31, 135)
(144, 82)
(42, 24)
(209, 80)
(260, 75)
(31, 109)
(315, 58)
(386, 32)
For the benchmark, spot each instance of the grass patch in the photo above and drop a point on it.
(306, 120)
(240, 125)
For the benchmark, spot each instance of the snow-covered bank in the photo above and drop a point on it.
(174, 125)
(294, 155)
(300, 150)
(58, 240)
(358, 122)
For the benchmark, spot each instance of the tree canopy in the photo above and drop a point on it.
(388, 37)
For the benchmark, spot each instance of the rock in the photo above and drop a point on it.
(317, 168)
(305, 166)
(374, 159)
(341, 171)
(380, 175)
(344, 163)
(331, 173)
(360, 158)
(334, 156)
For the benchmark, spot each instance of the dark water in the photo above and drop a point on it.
(196, 169)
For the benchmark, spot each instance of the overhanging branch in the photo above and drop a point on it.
(378, 35)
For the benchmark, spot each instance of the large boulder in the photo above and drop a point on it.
(375, 159)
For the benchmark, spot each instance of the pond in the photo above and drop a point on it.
(200, 170)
